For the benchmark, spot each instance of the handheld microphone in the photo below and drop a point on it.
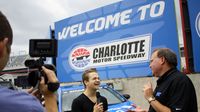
(98, 97)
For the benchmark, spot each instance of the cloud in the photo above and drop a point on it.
(32, 18)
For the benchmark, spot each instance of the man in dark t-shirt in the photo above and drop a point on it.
(90, 100)
(83, 104)
(174, 91)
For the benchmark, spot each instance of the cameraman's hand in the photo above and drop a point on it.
(49, 96)
(36, 93)
(51, 76)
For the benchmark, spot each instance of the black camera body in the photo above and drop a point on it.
(41, 48)
(35, 75)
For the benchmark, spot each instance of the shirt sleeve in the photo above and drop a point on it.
(18, 101)
(179, 95)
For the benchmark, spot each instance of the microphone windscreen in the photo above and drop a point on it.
(98, 94)
(98, 97)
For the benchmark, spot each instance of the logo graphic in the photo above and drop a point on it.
(197, 24)
(158, 93)
(80, 58)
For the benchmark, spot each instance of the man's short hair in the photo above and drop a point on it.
(5, 29)
(85, 76)
(168, 54)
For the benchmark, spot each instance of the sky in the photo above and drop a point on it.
(31, 19)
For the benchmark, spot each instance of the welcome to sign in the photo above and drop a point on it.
(116, 39)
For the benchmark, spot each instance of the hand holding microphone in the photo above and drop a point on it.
(98, 98)
(99, 104)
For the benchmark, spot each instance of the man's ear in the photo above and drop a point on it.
(85, 82)
(3, 44)
(1, 48)
(162, 60)
(5, 41)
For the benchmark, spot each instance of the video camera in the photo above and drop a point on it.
(41, 48)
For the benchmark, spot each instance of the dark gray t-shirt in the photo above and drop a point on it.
(83, 104)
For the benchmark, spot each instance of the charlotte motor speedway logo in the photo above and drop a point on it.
(197, 24)
(121, 51)
(80, 58)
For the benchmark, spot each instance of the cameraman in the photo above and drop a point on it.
(16, 101)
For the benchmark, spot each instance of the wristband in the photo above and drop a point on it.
(53, 86)
(151, 99)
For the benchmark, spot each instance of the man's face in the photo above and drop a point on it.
(93, 82)
(155, 64)
(5, 53)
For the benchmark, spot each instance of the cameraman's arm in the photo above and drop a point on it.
(50, 97)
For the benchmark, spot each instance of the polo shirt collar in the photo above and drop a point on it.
(165, 75)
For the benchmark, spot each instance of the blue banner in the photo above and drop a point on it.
(194, 15)
(116, 39)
